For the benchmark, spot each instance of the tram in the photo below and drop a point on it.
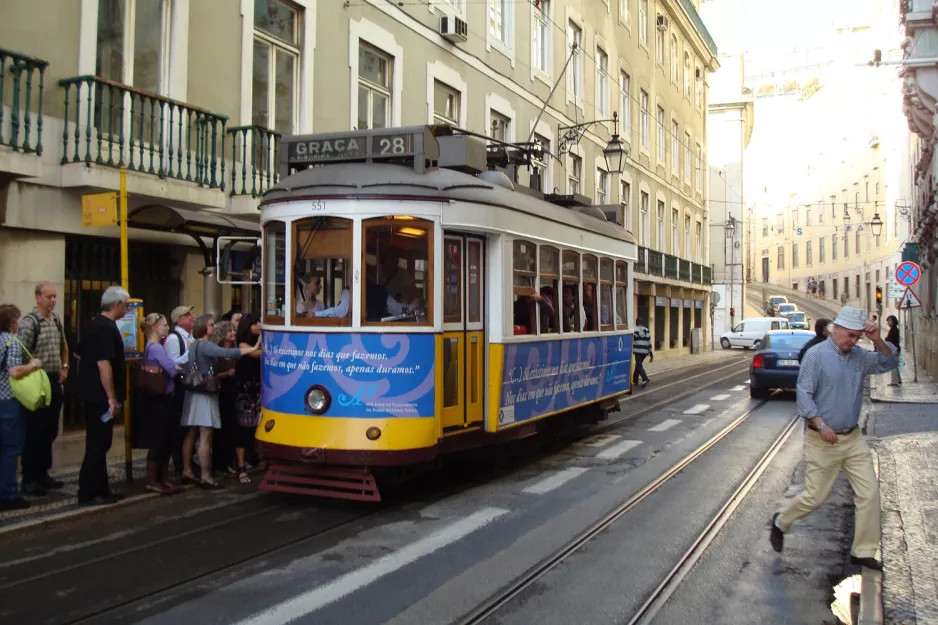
(418, 302)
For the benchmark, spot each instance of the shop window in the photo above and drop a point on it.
(571, 311)
(452, 280)
(606, 282)
(322, 252)
(590, 303)
(274, 269)
(622, 280)
(549, 274)
(397, 289)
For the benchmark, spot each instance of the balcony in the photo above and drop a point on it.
(708, 275)
(683, 272)
(655, 263)
(111, 125)
(21, 85)
(670, 266)
(255, 154)
(641, 264)
(696, 273)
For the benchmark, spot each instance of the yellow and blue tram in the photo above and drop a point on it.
(418, 302)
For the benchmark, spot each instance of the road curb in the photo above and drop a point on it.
(74, 514)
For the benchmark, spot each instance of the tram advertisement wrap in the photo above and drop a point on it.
(366, 375)
(550, 376)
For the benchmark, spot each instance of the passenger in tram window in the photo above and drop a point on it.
(589, 306)
(570, 313)
(340, 310)
(396, 280)
(548, 312)
(524, 310)
(308, 301)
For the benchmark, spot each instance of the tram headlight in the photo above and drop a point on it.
(318, 399)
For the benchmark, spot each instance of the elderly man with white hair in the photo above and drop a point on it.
(830, 395)
(102, 382)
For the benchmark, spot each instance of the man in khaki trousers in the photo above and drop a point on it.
(830, 395)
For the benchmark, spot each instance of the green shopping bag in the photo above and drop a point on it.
(33, 391)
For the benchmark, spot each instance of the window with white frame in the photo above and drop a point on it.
(687, 71)
(643, 221)
(659, 213)
(698, 180)
(807, 216)
(374, 87)
(575, 73)
(625, 15)
(602, 83)
(808, 255)
(687, 237)
(659, 46)
(501, 126)
(698, 242)
(446, 103)
(602, 186)
(275, 88)
(499, 22)
(846, 246)
(625, 204)
(781, 257)
(698, 86)
(833, 247)
(540, 164)
(820, 249)
(675, 237)
(687, 162)
(795, 217)
(662, 140)
(795, 260)
(675, 147)
(625, 103)
(542, 35)
(643, 21)
(145, 64)
(644, 123)
(574, 174)
(674, 58)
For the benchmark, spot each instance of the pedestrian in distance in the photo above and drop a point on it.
(892, 337)
(102, 383)
(641, 347)
(830, 395)
(14, 366)
(822, 329)
(42, 334)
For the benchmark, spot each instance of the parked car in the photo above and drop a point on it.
(785, 307)
(747, 332)
(797, 320)
(775, 364)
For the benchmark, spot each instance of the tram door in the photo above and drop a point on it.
(463, 331)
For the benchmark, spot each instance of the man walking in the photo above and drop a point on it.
(42, 334)
(102, 378)
(830, 394)
(177, 346)
(641, 347)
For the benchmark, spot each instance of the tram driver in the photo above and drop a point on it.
(307, 301)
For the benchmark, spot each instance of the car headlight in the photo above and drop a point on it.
(318, 399)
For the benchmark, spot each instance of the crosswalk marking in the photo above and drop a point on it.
(741, 387)
(697, 409)
(553, 481)
(599, 440)
(720, 397)
(611, 453)
(664, 425)
(317, 598)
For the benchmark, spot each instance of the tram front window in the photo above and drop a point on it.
(274, 270)
(322, 251)
(397, 270)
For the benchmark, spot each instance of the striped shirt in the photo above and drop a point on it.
(11, 355)
(641, 340)
(48, 345)
(830, 383)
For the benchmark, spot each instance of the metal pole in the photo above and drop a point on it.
(125, 283)
(912, 332)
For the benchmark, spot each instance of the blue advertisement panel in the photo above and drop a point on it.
(549, 376)
(367, 375)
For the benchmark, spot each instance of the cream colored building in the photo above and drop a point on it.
(179, 91)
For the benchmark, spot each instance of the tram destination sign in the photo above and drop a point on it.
(351, 147)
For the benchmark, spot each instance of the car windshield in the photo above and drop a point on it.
(786, 307)
(786, 341)
(796, 317)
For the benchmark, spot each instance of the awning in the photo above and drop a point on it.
(194, 223)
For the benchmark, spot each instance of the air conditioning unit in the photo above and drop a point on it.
(662, 22)
(454, 29)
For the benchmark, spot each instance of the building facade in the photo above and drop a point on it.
(191, 98)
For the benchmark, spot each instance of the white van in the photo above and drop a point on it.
(748, 331)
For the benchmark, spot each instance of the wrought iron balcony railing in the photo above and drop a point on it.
(112, 124)
(683, 270)
(655, 263)
(24, 77)
(257, 150)
(640, 264)
(708, 275)
(670, 266)
(696, 275)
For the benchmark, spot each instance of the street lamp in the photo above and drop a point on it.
(876, 225)
(615, 152)
(846, 216)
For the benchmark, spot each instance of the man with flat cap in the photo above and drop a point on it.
(830, 394)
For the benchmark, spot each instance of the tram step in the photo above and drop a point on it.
(334, 483)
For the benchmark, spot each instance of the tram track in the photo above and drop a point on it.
(644, 615)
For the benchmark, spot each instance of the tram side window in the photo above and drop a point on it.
(524, 295)
(274, 268)
(397, 288)
(549, 272)
(622, 277)
(590, 275)
(606, 280)
(322, 251)
(572, 314)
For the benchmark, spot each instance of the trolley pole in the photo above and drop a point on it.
(125, 284)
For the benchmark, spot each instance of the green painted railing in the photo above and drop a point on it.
(696, 273)
(708, 275)
(257, 149)
(655, 263)
(108, 123)
(640, 266)
(683, 272)
(24, 77)
(699, 25)
(670, 266)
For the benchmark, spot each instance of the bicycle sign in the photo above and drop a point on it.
(908, 273)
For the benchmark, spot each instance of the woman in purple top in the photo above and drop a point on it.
(155, 411)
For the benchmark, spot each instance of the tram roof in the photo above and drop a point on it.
(355, 180)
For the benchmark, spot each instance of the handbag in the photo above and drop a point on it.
(33, 391)
(151, 380)
(195, 380)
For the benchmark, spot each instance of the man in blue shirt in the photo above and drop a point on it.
(830, 395)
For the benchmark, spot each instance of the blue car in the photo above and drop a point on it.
(775, 364)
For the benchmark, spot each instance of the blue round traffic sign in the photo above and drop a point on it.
(908, 273)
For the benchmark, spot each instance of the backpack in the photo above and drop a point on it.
(182, 344)
(36, 321)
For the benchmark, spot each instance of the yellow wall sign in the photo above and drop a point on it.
(99, 209)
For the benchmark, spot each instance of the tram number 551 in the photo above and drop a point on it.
(393, 146)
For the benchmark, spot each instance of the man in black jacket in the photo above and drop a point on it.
(821, 331)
